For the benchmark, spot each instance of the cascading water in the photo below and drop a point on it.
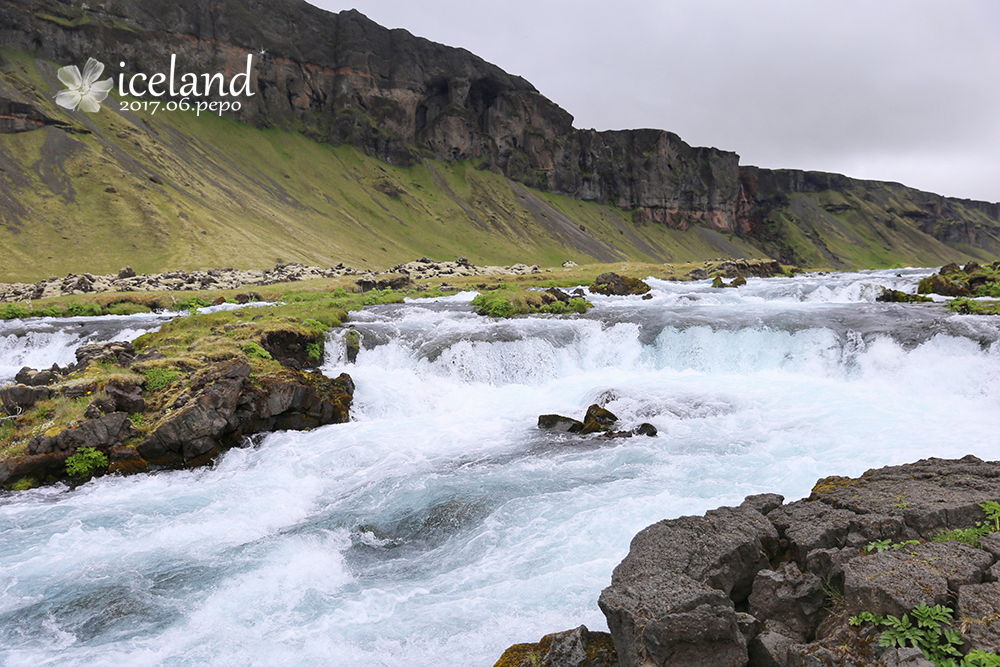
(440, 525)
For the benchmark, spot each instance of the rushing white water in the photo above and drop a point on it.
(440, 525)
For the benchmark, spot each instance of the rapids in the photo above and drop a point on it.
(440, 525)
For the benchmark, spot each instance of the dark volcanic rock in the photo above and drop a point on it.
(790, 597)
(763, 502)
(120, 353)
(559, 423)
(809, 525)
(724, 549)
(930, 496)
(897, 580)
(223, 408)
(668, 619)
(19, 396)
(979, 609)
(102, 433)
(127, 396)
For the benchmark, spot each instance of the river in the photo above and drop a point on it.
(440, 525)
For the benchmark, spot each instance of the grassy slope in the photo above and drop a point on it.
(871, 225)
(173, 190)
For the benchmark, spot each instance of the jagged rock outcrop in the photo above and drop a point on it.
(222, 407)
(800, 570)
(215, 409)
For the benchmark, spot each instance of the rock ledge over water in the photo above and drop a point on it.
(769, 584)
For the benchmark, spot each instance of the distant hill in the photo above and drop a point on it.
(371, 146)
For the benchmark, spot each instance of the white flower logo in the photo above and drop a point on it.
(84, 92)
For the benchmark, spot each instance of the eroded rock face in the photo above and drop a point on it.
(223, 408)
(666, 618)
(929, 496)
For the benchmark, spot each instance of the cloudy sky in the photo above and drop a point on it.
(899, 90)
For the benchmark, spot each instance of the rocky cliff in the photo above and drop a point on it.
(341, 79)
(345, 79)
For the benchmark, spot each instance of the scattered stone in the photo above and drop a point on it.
(645, 428)
(895, 296)
(738, 281)
(569, 264)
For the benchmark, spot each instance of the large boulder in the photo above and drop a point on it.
(16, 398)
(223, 408)
(725, 549)
(205, 417)
(118, 352)
(612, 284)
(102, 433)
(669, 620)
(671, 599)
(559, 423)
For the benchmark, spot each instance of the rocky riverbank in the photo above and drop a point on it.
(221, 279)
(822, 581)
(123, 410)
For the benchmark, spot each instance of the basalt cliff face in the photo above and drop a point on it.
(343, 79)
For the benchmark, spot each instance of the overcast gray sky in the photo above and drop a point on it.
(898, 90)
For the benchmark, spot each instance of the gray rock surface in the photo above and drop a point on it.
(667, 619)
(979, 612)
(790, 597)
(895, 581)
(931, 495)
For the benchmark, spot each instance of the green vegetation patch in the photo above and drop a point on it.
(509, 303)
(85, 462)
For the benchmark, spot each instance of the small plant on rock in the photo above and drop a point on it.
(85, 462)
(927, 632)
(255, 351)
